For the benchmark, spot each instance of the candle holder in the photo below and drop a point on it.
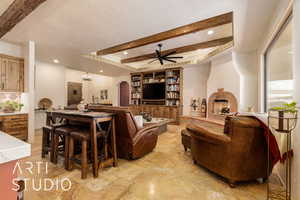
(284, 122)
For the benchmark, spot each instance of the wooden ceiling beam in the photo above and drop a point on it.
(193, 47)
(15, 13)
(183, 30)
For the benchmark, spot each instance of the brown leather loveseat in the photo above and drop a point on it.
(237, 152)
(132, 142)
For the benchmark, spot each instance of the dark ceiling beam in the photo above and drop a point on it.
(193, 47)
(15, 13)
(183, 30)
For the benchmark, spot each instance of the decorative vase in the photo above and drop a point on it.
(81, 106)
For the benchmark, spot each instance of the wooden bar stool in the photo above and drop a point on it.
(47, 136)
(84, 137)
(60, 143)
(46, 140)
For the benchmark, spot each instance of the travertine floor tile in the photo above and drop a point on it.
(166, 173)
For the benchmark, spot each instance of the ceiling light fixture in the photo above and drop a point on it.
(125, 53)
(101, 71)
(56, 61)
(86, 77)
(210, 32)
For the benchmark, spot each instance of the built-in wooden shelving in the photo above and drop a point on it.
(172, 78)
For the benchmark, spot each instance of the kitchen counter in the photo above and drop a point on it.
(12, 149)
(14, 113)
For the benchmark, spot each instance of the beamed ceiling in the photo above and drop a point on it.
(194, 42)
(71, 30)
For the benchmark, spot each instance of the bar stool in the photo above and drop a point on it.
(84, 137)
(47, 136)
(60, 145)
(46, 140)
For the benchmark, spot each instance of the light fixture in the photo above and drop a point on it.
(291, 52)
(86, 77)
(56, 61)
(94, 53)
(125, 53)
(101, 71)
(210, 32)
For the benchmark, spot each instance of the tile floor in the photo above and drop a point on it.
(166, 173)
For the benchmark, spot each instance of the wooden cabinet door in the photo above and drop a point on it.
(12, 76)
(3, 63)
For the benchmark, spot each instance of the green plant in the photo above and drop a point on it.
(287, 107)
(11, 105)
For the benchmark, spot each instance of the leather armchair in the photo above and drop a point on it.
(132, 142)
(237, 152)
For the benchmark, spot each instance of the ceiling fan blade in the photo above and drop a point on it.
(152, 61)
(173, 52)
(158, 54)
(174, 57)
(161, 61)
(173, 61)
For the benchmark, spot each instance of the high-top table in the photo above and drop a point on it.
(93, 118)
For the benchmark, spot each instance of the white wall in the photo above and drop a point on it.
(50, 83)
(247, 65)
(194, 84)
(10, 49)
(52, 79)
(91, 88)
(224, 75)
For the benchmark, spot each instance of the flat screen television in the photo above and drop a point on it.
(154, 91)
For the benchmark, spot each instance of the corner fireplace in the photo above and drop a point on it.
(220, 104)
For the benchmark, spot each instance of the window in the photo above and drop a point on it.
(279, 68)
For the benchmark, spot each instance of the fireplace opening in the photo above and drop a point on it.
(221, 106)
(221, 103)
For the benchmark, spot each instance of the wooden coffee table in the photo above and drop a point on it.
(161, 122)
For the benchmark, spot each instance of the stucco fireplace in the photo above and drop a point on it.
(220, 104)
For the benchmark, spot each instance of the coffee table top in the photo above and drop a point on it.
(156, 120)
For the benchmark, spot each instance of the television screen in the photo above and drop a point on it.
(154, 91)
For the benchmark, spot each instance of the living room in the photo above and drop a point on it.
(149, 105)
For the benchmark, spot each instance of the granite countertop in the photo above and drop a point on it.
(12, 148)
(14, 113)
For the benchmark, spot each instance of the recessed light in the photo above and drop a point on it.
(125, 53)
(210, 32)
(56, 61)
(101, 71)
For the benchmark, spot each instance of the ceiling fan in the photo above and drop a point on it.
(167, 57)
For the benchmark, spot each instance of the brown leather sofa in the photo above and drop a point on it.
(132, 142)
(237, 152)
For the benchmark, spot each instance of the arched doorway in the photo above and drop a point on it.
(124, 93)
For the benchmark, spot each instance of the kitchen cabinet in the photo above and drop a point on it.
(11, 74)
(15, 125)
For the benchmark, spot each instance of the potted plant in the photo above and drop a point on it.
(11, 106)
(283, 118)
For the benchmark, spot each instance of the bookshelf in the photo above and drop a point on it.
(168, 107)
